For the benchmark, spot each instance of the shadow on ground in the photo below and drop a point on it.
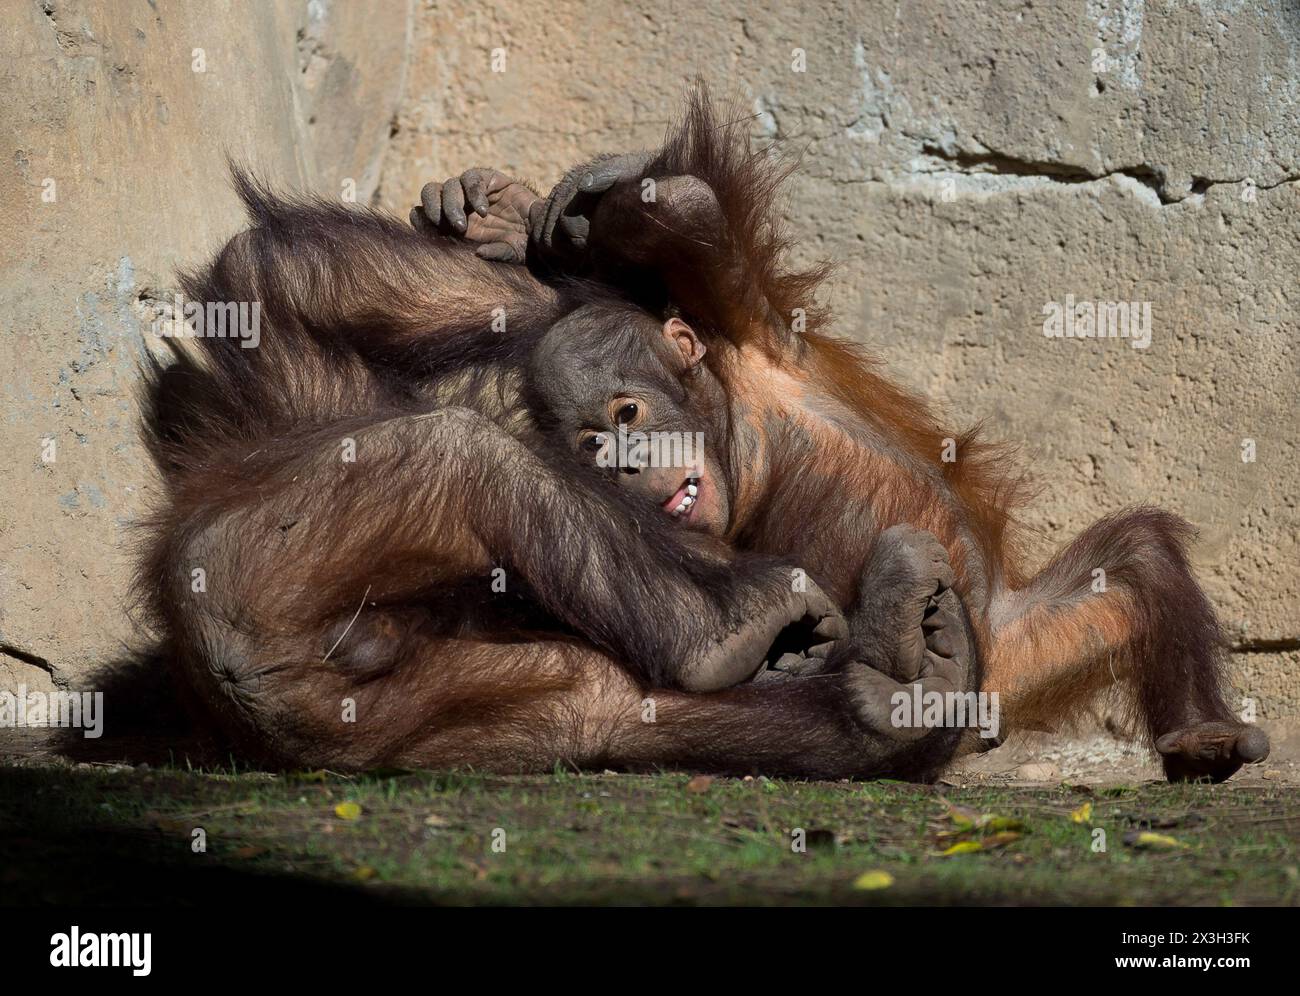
(92, 834)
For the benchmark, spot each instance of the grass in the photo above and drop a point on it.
(104, 834)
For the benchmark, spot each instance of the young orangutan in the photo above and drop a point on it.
(816, 456)
(610, 383)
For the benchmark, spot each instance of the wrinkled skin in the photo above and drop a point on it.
(482, 206)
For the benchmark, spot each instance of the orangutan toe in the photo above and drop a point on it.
(1211, 750)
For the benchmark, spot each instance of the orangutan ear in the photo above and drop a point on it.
(684, 341)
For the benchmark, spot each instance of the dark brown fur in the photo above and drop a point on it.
(333, 588)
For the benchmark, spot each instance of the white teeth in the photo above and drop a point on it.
(688, 499)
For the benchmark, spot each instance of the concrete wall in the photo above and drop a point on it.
(114, 123)
(966, 163)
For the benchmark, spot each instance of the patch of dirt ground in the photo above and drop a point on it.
(1101, 758)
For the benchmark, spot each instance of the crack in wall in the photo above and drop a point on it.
(32, 660)
(996, 164)
(1266, 645)
(1151, 178)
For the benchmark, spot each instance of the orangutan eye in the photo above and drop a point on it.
(626, 413)
(592, 443)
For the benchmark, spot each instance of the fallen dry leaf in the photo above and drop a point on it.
(967, 819)
(348, 811)
(963, 816)
(1000, 840)
(871, 880)
(309, 776)
(699, 784)
(1146, 840)
(984, 844)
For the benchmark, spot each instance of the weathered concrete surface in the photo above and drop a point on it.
(967, 163)
(113, 126)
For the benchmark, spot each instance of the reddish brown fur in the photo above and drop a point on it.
(875, 446)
